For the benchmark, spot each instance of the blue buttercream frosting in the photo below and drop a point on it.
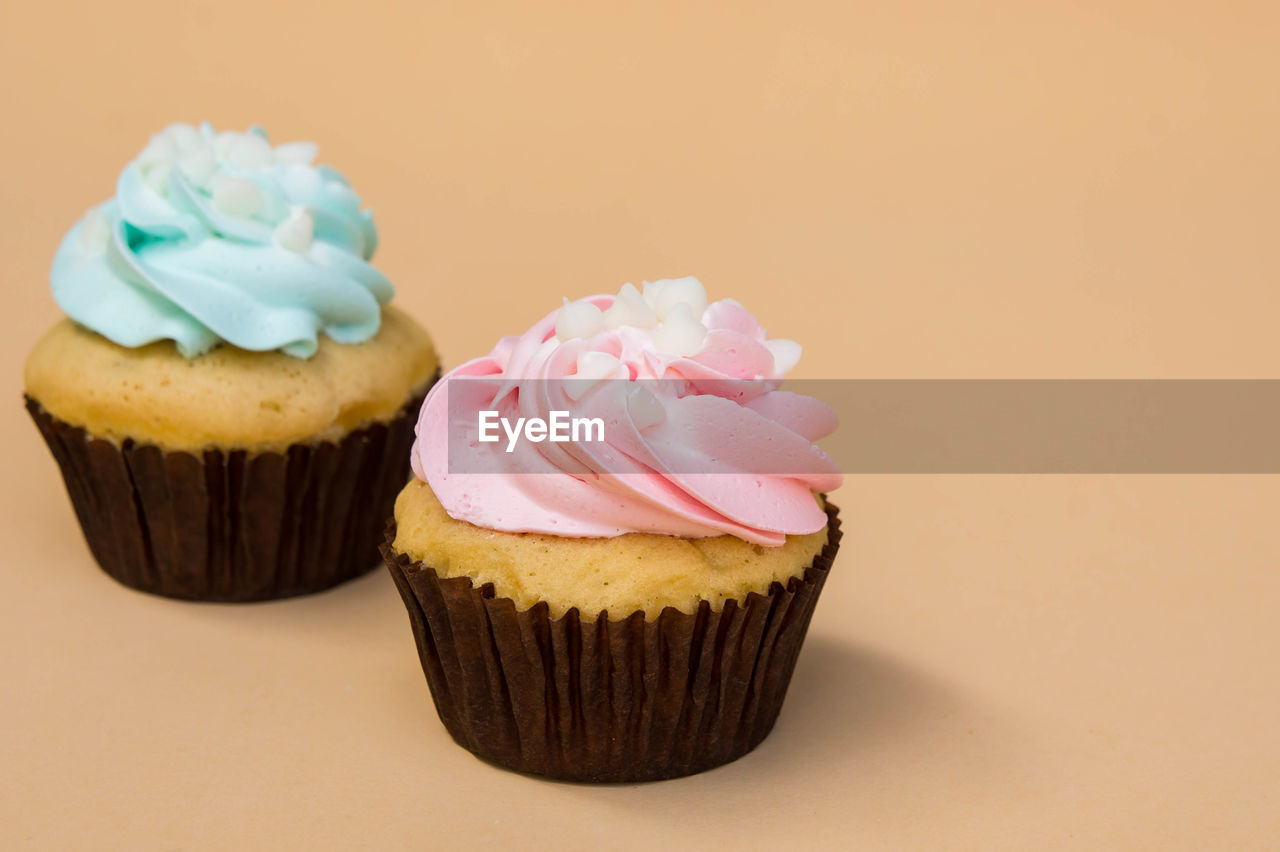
(221, 237)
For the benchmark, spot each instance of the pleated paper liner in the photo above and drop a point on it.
(602, 700)
(234, 526)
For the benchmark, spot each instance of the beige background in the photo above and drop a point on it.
(911, 189)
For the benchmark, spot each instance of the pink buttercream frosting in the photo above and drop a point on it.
(699, 439)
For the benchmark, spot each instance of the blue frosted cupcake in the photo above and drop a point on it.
(230, 398)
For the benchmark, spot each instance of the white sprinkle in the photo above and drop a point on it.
(592, 368)
(248, 151)
(644, 408)
(157, 178)
(237, 197)
(786, 354)
(296, 153)
(198, 164)
(653, 292)
(95, 232)
(631, 309)
(184, 136)
(295, 233)
(680, 334)
(161, 149)
(222, 143)
(578, 319)
(671, 292)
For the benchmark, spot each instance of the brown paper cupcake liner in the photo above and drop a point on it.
(601, 700)
(234, 526)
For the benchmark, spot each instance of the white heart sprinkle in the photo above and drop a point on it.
(593, 367)
(653, 292)
(161, 149)
(295, 233)
(157, 178)
(296, 153)
(631, 309)
(671, 292)
(680, 334)
(644, 408)
(198, 164)
(95, 232)
(237, 197)
(222, 143)
(184, 136)
(786, 354)
(249, 151)
(578, 319)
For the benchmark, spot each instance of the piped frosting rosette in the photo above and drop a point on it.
(698, 438)
(220, 236)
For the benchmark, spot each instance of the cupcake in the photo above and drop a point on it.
(230, 399)
(616, 536)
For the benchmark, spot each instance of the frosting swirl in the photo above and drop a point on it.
(701, 441)
(220, 237)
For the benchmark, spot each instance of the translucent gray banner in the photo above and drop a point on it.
(885, 426)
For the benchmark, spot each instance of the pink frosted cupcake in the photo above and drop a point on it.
(616, 537)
